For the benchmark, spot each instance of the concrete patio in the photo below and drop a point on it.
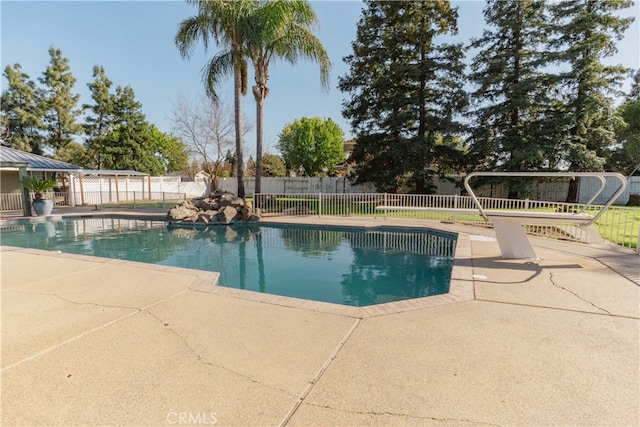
(555, 341)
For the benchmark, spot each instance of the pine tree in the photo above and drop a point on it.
(273, 166)
(406, 91)
(585, 32)
(634, 93)
(128, 145)
(20, 108)
(99, 122)
(60, 104)
(515, 128)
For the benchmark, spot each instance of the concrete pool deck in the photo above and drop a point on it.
(555, 341)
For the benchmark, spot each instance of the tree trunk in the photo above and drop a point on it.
(259, 131)
(237, 83)
(572, 194)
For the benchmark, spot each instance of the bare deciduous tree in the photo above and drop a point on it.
(207, 127)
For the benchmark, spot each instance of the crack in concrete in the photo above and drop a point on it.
(576, 295)
(320, 373)
(394, 414)
(75, 302)
(90, 331)
(592, 313)
(204, 362)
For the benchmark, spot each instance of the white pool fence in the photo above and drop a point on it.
(618, 225)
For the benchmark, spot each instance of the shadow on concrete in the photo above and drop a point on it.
(498, 263)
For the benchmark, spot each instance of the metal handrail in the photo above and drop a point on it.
(599, 175)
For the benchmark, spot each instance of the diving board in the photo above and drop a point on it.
(509, 224)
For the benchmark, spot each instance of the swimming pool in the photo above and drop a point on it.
(343, 265)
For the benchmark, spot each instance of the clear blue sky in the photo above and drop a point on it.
(134, 43)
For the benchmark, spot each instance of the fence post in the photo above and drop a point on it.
(455, 206)
(526, 204)
(386, 204)
(134, 199)
(163, 207)
(319, 204)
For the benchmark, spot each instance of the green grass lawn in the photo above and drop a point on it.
(168, 203)
(620, 226)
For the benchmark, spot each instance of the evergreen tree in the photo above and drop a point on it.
(99, 122)
(133, 144)
(251, 167)
(76, 154)
(585, 32)
(273, 165)
(515, 127)
(20, 109)
(128, 145)
(625, 158)
(60, 104)
(406, 91)
(634, 93)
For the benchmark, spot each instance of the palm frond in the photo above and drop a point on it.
(283, 29)
(216, 69)
(300, 43)
(189, 32)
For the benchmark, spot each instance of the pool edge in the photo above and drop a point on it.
(461, 286)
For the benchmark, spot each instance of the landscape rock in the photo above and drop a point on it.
(182, 211)
(218, 208)
(226, 215)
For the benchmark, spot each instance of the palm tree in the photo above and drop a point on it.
(229, 24)
(281, 29)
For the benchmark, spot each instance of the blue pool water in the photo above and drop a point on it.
(338, 265)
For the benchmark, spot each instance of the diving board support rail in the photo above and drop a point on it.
(510, 225)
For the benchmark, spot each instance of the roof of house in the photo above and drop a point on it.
(8, 156)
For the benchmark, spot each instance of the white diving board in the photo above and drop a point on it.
(509, 224)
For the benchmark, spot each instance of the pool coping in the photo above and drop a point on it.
(461, 287)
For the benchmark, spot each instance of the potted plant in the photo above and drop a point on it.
(41, 205)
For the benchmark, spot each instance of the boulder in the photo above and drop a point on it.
(182, 211)
(229, 199)
(245, 213)
(217, 208)
(225, 215)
